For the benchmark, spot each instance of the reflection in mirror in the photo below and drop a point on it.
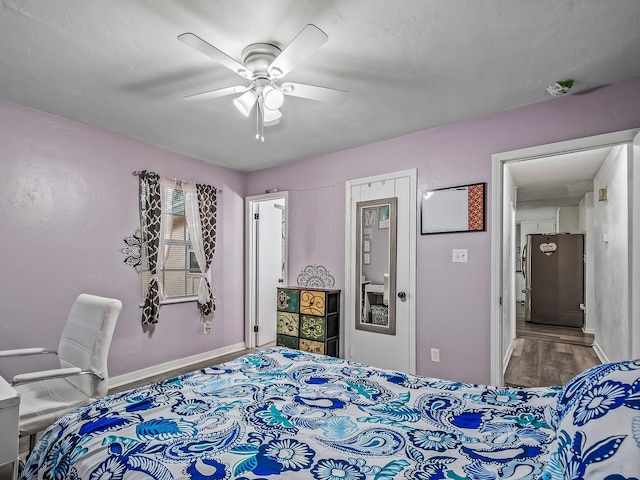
(376, 265)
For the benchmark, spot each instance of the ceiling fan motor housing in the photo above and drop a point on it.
(258, 56)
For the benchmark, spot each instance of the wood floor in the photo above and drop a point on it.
(552, 333)
(545, 355)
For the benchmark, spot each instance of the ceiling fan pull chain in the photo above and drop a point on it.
(257, 120)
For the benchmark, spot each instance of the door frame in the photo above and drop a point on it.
(349, 277)
(499, 358)
(252, 259)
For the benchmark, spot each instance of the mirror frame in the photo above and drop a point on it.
(392, 202)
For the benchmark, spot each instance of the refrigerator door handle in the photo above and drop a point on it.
(524, 261)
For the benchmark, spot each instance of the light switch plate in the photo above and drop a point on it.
(460, 255)
(435, 354)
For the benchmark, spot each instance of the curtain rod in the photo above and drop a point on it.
(136, 173)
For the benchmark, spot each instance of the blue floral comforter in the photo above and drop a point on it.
(300, 415)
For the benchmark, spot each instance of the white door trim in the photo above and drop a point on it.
(634, 254)
(498, 161)
(349, 276)
(251, 260)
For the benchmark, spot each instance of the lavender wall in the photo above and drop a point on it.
(454, 299)
(67, 200)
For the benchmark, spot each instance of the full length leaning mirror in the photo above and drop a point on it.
(376, 237)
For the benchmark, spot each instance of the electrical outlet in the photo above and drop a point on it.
(435, 354)
(460, 255)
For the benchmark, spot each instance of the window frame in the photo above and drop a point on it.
(188, 268)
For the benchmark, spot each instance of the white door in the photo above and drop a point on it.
(270, 266)
(634, 247)
(396, 352)
(266, 264)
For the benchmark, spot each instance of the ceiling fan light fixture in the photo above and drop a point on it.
(271, 117)
(273, 98)
(245, 102)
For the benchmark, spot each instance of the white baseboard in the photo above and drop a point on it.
(601, 355)
(180, 363)
(507, 357)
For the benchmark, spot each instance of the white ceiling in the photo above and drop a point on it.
(556, 181)
(409, 65)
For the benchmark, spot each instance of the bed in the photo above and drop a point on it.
(290, 414)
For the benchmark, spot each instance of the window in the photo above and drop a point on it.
(193, 263)
(180, 276)
(170, 211)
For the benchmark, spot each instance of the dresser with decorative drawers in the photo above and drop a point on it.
(309, 319)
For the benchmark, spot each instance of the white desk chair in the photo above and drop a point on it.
(82, 377)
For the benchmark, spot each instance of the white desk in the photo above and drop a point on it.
(9, 419)
(375, 292)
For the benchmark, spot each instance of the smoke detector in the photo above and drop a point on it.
(560, 88)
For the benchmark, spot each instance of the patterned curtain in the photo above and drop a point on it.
(150, 219)
(207, 206)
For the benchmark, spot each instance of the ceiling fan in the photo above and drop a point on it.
(264, 65)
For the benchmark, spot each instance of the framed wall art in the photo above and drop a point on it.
(383, 222)
(453, 209)
(370, 216)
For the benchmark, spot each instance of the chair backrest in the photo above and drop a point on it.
(86, 339)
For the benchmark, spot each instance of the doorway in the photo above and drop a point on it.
(503, 228)
(391, 351)
(266, 253)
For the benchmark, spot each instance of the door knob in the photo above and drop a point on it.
(402, 296)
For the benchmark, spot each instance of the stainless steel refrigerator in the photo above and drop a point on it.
(553, 267)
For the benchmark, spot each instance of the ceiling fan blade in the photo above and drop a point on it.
(221, 92)
(304, 44)
(210, 51)
(312, 92)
